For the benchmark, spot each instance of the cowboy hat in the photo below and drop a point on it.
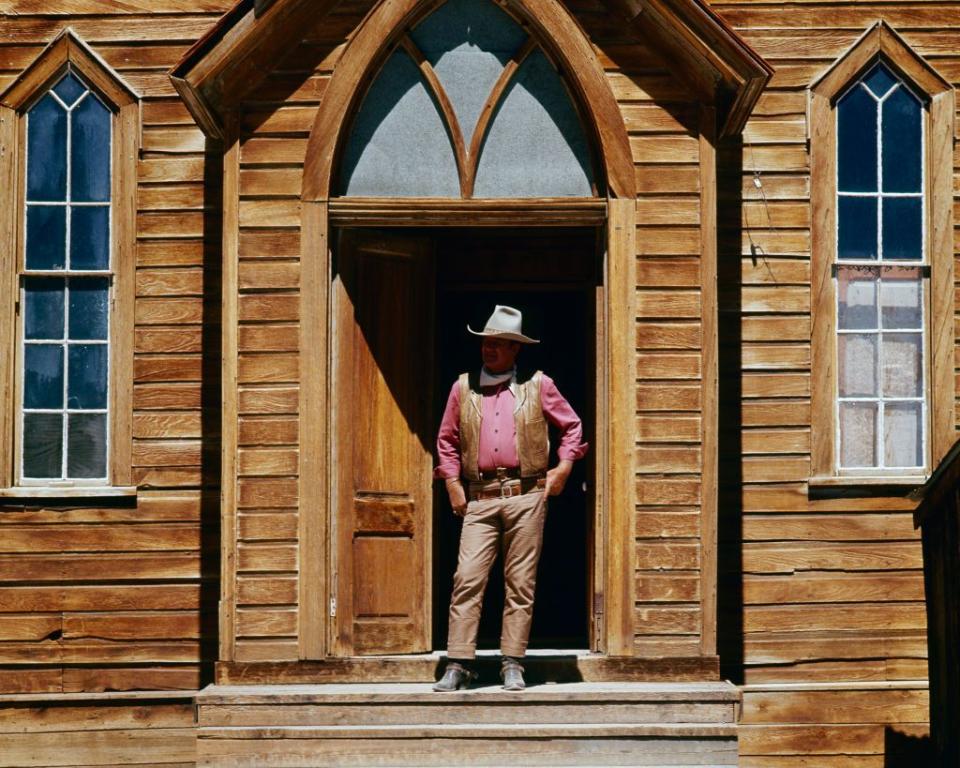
(505, 323)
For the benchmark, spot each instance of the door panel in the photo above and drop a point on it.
(383, 387)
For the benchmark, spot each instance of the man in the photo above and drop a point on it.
(493, 451)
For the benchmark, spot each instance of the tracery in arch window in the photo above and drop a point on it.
(65, 282)
(467, 105)
(881, 276)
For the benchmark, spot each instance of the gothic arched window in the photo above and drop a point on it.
(466, 104)
(69, 281)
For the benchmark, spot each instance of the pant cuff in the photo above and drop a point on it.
(518, 651)
(461, 652)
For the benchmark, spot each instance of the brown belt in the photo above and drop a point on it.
(506, 489)
(500, 473)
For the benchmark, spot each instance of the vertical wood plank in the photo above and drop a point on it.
(229, 427)
(314, 437)
(125, 244)
(709, 423)
(621, 282)
(823, 153)
(940, 239)
(8, 269)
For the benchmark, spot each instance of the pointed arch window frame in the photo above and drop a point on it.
(880, 43)
(467, 157)
(68, 52)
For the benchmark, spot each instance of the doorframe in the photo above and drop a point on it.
(557, 30)
(616, 400)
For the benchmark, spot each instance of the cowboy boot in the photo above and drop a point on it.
(455, 676)
(512, 674)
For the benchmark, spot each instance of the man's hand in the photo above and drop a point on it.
(458, 498)
(557, 477)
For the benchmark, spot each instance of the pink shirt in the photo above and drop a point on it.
(498, 432)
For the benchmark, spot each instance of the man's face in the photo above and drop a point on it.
(499, 354)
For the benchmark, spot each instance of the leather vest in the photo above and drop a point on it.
(533, 442)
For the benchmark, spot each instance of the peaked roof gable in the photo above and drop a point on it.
(239, 51)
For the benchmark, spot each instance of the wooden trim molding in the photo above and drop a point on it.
(621, 473)
(880, 42)
(425, 212)
(67, 49)
(558, 33)
(230, 346)
(710, 351)
(315, 470)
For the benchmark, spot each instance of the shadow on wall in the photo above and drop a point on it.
(901, 750)
(730, 639)
(211, 411)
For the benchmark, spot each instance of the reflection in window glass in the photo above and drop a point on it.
(65, 319)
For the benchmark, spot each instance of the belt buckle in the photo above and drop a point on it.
(506, 491)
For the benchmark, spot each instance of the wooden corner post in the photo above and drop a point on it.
(621, 279)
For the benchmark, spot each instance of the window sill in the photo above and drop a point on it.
(92, 492)
(864, 485)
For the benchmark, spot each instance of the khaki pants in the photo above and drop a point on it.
(518, 520)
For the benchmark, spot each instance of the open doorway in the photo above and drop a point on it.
(551, 275)
(401, 301)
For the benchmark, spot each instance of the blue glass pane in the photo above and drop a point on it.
(90, 151)
(43, 376)
(87, 382)
(42, 445)
(46, 236)
(879, 80)
(398, 146)
(47, 151)
(69, 89)
(468, 42)
(90, 237)
(902, 228)
(536, 146)
(857, 142)
(43, 308)
(87, 445)
(902, 128)
(89, 302)
(857, 221)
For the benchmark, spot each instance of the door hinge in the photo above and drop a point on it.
(598, 604)
(333, 606)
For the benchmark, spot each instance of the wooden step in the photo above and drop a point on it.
(642, 724)
(398, 704)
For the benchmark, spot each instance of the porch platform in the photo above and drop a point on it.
(407, 724)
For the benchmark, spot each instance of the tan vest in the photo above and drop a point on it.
(533, 443)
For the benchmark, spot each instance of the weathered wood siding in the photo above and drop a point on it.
(122, 729)
(830, 600)
(123, 596)
(662, 119)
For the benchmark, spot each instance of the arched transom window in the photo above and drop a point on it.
(466, 104)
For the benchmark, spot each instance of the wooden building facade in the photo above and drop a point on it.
(305, 202)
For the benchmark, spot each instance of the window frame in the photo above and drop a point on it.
(69, 52)
(881, 43)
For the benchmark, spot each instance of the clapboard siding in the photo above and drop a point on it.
(661, 120)
(832, 590)
(123, 597)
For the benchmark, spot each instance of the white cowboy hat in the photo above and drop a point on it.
(505, 323)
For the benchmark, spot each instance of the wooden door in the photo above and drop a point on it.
(383, 373)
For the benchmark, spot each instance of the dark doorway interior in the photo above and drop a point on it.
(551, 276)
